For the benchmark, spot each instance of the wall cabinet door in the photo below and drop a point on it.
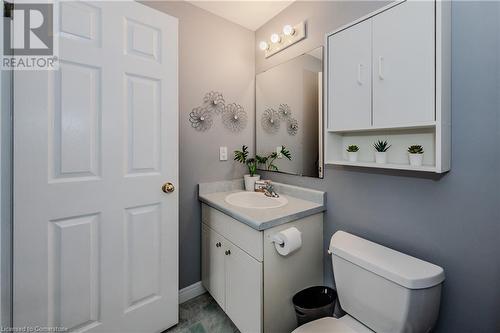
(213, 264)
(349, 78)
(403, 64)
(243, 289)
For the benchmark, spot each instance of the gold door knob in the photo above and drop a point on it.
(168, 187)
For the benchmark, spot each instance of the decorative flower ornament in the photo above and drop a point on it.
(234, 117)
(292, 126)
(270, 121)
(284, 111)
(201, 119)
(214, 101)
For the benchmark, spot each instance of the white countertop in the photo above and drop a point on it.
(302, 202)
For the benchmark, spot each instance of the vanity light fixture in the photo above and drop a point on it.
(263, 46)
(275, 38)
(290, 35)
(288, 30)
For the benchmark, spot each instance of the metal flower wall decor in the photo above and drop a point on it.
(214, 101)
(270, 120)
(292, 126)
(284, 111)
(201, 118)
(234, 117)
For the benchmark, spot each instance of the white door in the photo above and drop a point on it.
(403, 64)
(213, 269)
(95, 237)
(243, 289)
(349, 78)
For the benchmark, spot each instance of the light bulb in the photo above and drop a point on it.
(275, 38)
(288, 30)
(263, 46)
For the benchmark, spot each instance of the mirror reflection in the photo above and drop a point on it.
(289, 113)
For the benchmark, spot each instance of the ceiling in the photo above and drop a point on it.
(249, 14)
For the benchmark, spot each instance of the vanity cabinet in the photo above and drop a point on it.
(233, 278)
(250, 281)
(389, 77)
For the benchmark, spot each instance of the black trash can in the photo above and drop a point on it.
(314, 303)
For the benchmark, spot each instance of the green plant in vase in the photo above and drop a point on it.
(381, 148)
(352, 153)
(416, 155)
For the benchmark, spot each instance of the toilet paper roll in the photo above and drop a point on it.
(290, 239)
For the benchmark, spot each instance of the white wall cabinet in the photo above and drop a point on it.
(245, 275)
(351, 56)
(403, 96)
(403, 64)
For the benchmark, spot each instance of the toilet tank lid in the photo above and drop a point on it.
(398, 267)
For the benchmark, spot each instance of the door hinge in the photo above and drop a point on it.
(8, 7)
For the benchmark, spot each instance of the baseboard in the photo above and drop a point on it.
(192, 291)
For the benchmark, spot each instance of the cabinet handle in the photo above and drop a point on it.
(218, 244)
(228, 252)
(380, 67)
(360, 68)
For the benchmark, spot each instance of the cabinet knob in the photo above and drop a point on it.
(218, 244)
(228, 252)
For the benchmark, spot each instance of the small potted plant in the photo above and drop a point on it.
(416, 155)
(381, 148)
(352, 153)
(251, 163)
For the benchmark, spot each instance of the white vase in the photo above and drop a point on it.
(250, 182)
(416, 159)
(381, 157)
(353, 156)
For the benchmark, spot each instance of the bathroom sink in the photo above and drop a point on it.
(255, 200)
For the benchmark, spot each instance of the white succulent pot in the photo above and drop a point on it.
(250, 182)
(416, 159)
(353, 156)
(381, 157)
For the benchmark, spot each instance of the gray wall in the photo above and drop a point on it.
(451, 220)
(214, 54)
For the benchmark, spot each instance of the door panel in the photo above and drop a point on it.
(243, 289)
(403, 64)
(349, 78)
(92, 147)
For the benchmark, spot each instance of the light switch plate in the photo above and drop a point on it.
(222, 153)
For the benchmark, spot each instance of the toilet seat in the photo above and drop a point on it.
(346, 324)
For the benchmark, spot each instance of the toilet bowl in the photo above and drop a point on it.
(380, 289)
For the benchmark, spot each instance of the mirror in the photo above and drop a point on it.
(289, 113)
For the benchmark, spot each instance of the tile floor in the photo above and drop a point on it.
(202, 315)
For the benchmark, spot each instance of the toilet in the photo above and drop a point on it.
(380, 289)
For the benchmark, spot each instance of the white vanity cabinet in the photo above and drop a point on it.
(389, 79)
(250, 281)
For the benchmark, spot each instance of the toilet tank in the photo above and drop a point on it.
(386, 290)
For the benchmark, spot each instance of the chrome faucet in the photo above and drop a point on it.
(269, 190)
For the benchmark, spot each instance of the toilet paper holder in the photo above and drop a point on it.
(277, 239)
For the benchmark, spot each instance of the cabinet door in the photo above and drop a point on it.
(213, 264)
(349, 78)
(403, 64)
(243, 290)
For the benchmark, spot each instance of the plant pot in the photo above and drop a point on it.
(352, 156)
(250, 182)
(381, 157)
(416, 159)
